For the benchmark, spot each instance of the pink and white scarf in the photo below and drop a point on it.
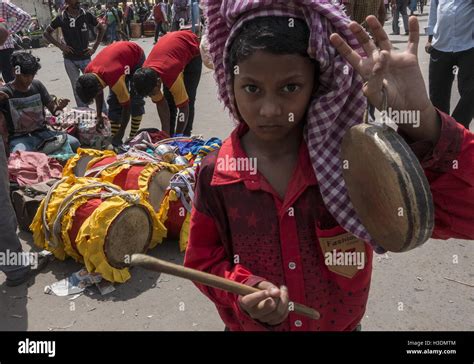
(338, 104)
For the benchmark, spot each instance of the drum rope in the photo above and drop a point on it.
(72, 198)
(183, 182)
(62, 209)
(47, 199)
(179, 139)
(137, 153)
(98, 170)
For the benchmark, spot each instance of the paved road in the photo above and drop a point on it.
(409, 291)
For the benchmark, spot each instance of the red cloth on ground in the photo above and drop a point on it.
(29, 168)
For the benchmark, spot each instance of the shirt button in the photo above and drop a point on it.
(292, 265)
(298, 323)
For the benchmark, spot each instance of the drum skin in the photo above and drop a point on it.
(387, 187)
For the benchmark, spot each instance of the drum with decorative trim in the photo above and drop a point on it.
(83, 160)
(130, 173)
(152, 179)
(96, 223)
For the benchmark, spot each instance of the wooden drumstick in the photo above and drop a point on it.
(211, 280)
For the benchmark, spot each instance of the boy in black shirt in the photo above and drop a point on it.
(22, 103)
(75, 23)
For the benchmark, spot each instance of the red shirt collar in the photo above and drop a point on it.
(232, 148)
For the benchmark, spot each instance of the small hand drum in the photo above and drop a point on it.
(387, 187)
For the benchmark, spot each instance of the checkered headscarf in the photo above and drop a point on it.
(338, 104)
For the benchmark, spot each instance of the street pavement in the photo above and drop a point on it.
(409, 291)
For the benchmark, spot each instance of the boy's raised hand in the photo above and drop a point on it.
(269, 306)
(399, 72)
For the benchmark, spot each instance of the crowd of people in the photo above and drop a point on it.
(175, 61)
(166, 16)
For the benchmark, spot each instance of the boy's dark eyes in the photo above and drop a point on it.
(289, 88)
(251, 89)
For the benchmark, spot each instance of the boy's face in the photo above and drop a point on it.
(157, 89)
(272, 92)
(24, 80)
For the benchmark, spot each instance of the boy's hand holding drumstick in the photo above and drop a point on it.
(269, 306)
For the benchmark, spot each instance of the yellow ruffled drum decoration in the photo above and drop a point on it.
(84, 160)
(151, 176)
(98, 224)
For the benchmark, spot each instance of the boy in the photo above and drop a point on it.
(22, 103)
(128, 15)
(294, 93)
(113, 67)
(175, 60)
(74, 23)
(181, 14)
(113, 22)
(159, 18)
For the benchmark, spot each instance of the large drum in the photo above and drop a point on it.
(96, 223)
(152, 179)
(130, 173)
(136, 30)
(149, 28)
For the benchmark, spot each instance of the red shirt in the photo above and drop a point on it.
(158, 14)
(113, 64)
(169, 57)
(242, 230)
